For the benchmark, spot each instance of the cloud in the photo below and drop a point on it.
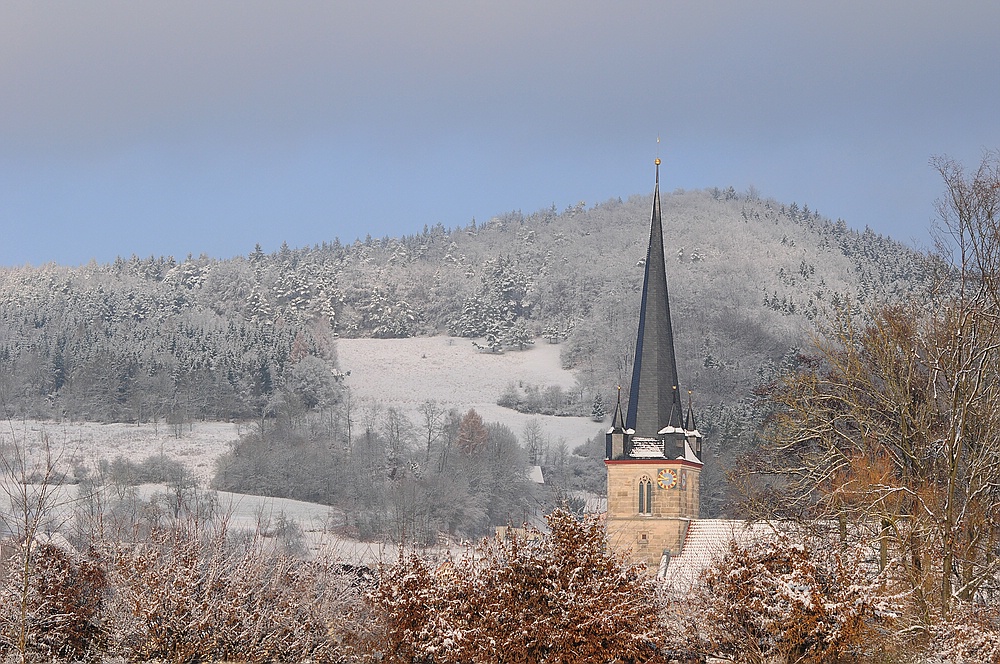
(104, 72)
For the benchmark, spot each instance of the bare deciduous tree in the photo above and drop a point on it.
(28, 479)
(433, 414)
(895, 427)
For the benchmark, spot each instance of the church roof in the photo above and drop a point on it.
(654, 399)
(706, 541)
(647, 448)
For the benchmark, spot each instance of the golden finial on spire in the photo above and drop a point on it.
(657, 160)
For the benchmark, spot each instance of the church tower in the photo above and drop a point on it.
(653, 454)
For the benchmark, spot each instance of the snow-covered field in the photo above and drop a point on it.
(391, 372)
(395, 372)
(86, 443)
(241, 513)
(406, 372)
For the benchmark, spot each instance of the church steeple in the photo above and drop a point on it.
(653, 454)
(654, 400)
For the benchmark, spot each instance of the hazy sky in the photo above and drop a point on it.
(208, 127)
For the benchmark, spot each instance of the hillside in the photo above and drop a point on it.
(254, 338)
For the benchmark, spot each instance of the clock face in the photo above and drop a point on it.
(667, 478)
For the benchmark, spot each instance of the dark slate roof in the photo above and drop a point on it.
(654, 400)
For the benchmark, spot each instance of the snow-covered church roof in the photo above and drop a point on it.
(706, 540)
(646, 448)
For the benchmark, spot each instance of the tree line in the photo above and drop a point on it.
(153, 324)
(390, 477)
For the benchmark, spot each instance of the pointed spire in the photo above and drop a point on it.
(618, 420)
(689, 423)
(654, 399)
(692, 437)
(617, 437)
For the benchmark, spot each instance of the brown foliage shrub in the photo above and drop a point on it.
(184, 596)
(54, 612)
(778, 600)
(559, 598)
(972, 635)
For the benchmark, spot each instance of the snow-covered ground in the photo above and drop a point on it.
(198, 445)
(392, 372)
(406, 372)
(320, 524)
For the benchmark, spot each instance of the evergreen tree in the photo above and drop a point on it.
(597, 412)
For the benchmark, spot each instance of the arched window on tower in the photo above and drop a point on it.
(645, 496)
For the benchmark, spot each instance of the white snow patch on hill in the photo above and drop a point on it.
(320, 525)
(406, 372)
(83, 444)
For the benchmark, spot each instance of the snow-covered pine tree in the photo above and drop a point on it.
(597, 412)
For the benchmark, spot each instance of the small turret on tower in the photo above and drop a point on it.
(617, 435)
(691, 433)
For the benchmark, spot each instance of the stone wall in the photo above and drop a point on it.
(674, 504)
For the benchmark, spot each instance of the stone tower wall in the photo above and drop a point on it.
(647, 536)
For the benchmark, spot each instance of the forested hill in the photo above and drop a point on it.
(204, 337)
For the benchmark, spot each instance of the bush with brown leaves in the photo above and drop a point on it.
(51, 603)
(555, 597)
(784, 600)
(183, 596)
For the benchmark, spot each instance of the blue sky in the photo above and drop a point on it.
(170, 128)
